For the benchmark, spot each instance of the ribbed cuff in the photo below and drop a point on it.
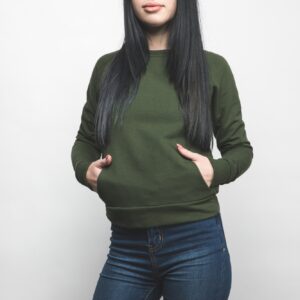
(221, 171)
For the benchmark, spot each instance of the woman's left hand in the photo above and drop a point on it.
(202, 162)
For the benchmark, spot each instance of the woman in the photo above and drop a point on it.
(152, 109)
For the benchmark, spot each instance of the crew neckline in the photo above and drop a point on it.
(160, 52)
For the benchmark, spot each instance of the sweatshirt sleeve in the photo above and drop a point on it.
(229, 131)
(84, 150)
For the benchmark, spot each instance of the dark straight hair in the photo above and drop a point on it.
(186, 67)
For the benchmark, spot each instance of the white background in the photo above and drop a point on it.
(54, 235)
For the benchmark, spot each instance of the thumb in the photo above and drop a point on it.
(187, 153)
(103, 162)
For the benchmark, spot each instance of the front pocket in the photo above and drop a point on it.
(198, 173)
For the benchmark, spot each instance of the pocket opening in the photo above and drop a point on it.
(99, 182)
(200, 175)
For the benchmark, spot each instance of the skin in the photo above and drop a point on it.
(157, 36)
(155, 22)
(202, 163)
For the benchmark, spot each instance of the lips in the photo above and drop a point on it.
(152, 7)
(152, 4)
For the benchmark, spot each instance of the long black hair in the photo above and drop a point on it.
(187, 70)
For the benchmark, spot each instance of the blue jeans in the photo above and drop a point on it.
(179, 262)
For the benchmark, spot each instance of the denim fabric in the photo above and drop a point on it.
(177, 262)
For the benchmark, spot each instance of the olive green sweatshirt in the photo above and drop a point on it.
(149, 183)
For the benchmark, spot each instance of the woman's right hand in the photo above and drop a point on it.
(94, 170)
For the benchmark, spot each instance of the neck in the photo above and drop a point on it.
(157, 38)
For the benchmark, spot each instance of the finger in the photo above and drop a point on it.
(187, 153)
(102, 162)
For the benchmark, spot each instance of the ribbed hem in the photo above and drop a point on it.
(148, 216)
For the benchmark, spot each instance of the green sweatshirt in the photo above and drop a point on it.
(149, 183)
